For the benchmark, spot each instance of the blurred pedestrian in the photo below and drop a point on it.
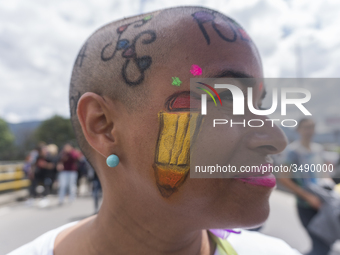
(52, 156)
(336, 176)
(82, 168)
(43, 169)
(96, 191)
(305, 152)
(68, 173)
(27, 166)
(95, 185)
(29, 172)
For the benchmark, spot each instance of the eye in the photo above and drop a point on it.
(262, 108)
(226, 95)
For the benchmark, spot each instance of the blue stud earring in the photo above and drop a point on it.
(112, 160)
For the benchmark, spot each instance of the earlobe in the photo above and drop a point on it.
(96, 123)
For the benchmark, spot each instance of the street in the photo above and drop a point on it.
(20, 223)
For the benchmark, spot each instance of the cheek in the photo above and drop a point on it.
(160, 146)
(141, 138)
(251, 203)
(215, 145)
(224, 203)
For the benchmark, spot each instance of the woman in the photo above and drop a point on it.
(130, 107)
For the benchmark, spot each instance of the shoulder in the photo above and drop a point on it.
(255, 243)
(43, 245)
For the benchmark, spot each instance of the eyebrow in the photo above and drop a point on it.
(228, 73)
(247, 79)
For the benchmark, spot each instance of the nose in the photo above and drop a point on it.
(268, 139)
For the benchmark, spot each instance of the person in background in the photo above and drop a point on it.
(94, 184)
(43, 170)
(68, 172)
(29, 173)
(96, 188)
(27, 166)
(301, 152)
(82, 169)
(336, 177)
(52, 156)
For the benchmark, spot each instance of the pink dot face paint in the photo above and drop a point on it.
(196, 70)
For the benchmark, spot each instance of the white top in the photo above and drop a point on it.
(256, 243)
(246, 243)
(43, 245)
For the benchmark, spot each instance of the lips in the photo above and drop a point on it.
(264, 180)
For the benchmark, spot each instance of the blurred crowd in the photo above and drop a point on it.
(59, 172)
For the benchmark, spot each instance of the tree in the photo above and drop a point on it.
(6, 141)
(56, 130)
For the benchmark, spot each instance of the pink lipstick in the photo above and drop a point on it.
(264, 180)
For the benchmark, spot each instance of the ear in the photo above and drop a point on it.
(97, 123)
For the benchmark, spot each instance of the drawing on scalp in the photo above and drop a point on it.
(122, 44)
(178, 126)
(74, 102)
(203, 17)
(81, 55)
(142, 63)
(243, 34)
(147, 17)
(129, 50)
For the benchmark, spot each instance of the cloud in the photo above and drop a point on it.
(39, 41)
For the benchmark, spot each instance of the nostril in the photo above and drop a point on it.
(268, 148)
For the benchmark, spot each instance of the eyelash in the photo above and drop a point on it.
(227, 95)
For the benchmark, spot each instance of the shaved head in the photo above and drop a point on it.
(119, 59)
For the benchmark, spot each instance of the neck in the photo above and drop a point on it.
(124, 233)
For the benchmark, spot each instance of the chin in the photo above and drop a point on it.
(255, 216)
(244, 215)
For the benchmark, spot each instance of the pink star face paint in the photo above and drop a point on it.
(196, 70)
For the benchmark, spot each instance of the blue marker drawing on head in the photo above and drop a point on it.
(129, 51)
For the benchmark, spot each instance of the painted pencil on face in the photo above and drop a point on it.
(178, 126)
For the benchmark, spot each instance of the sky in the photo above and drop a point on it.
(39, 41)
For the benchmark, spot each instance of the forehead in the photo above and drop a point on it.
(215, 46)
